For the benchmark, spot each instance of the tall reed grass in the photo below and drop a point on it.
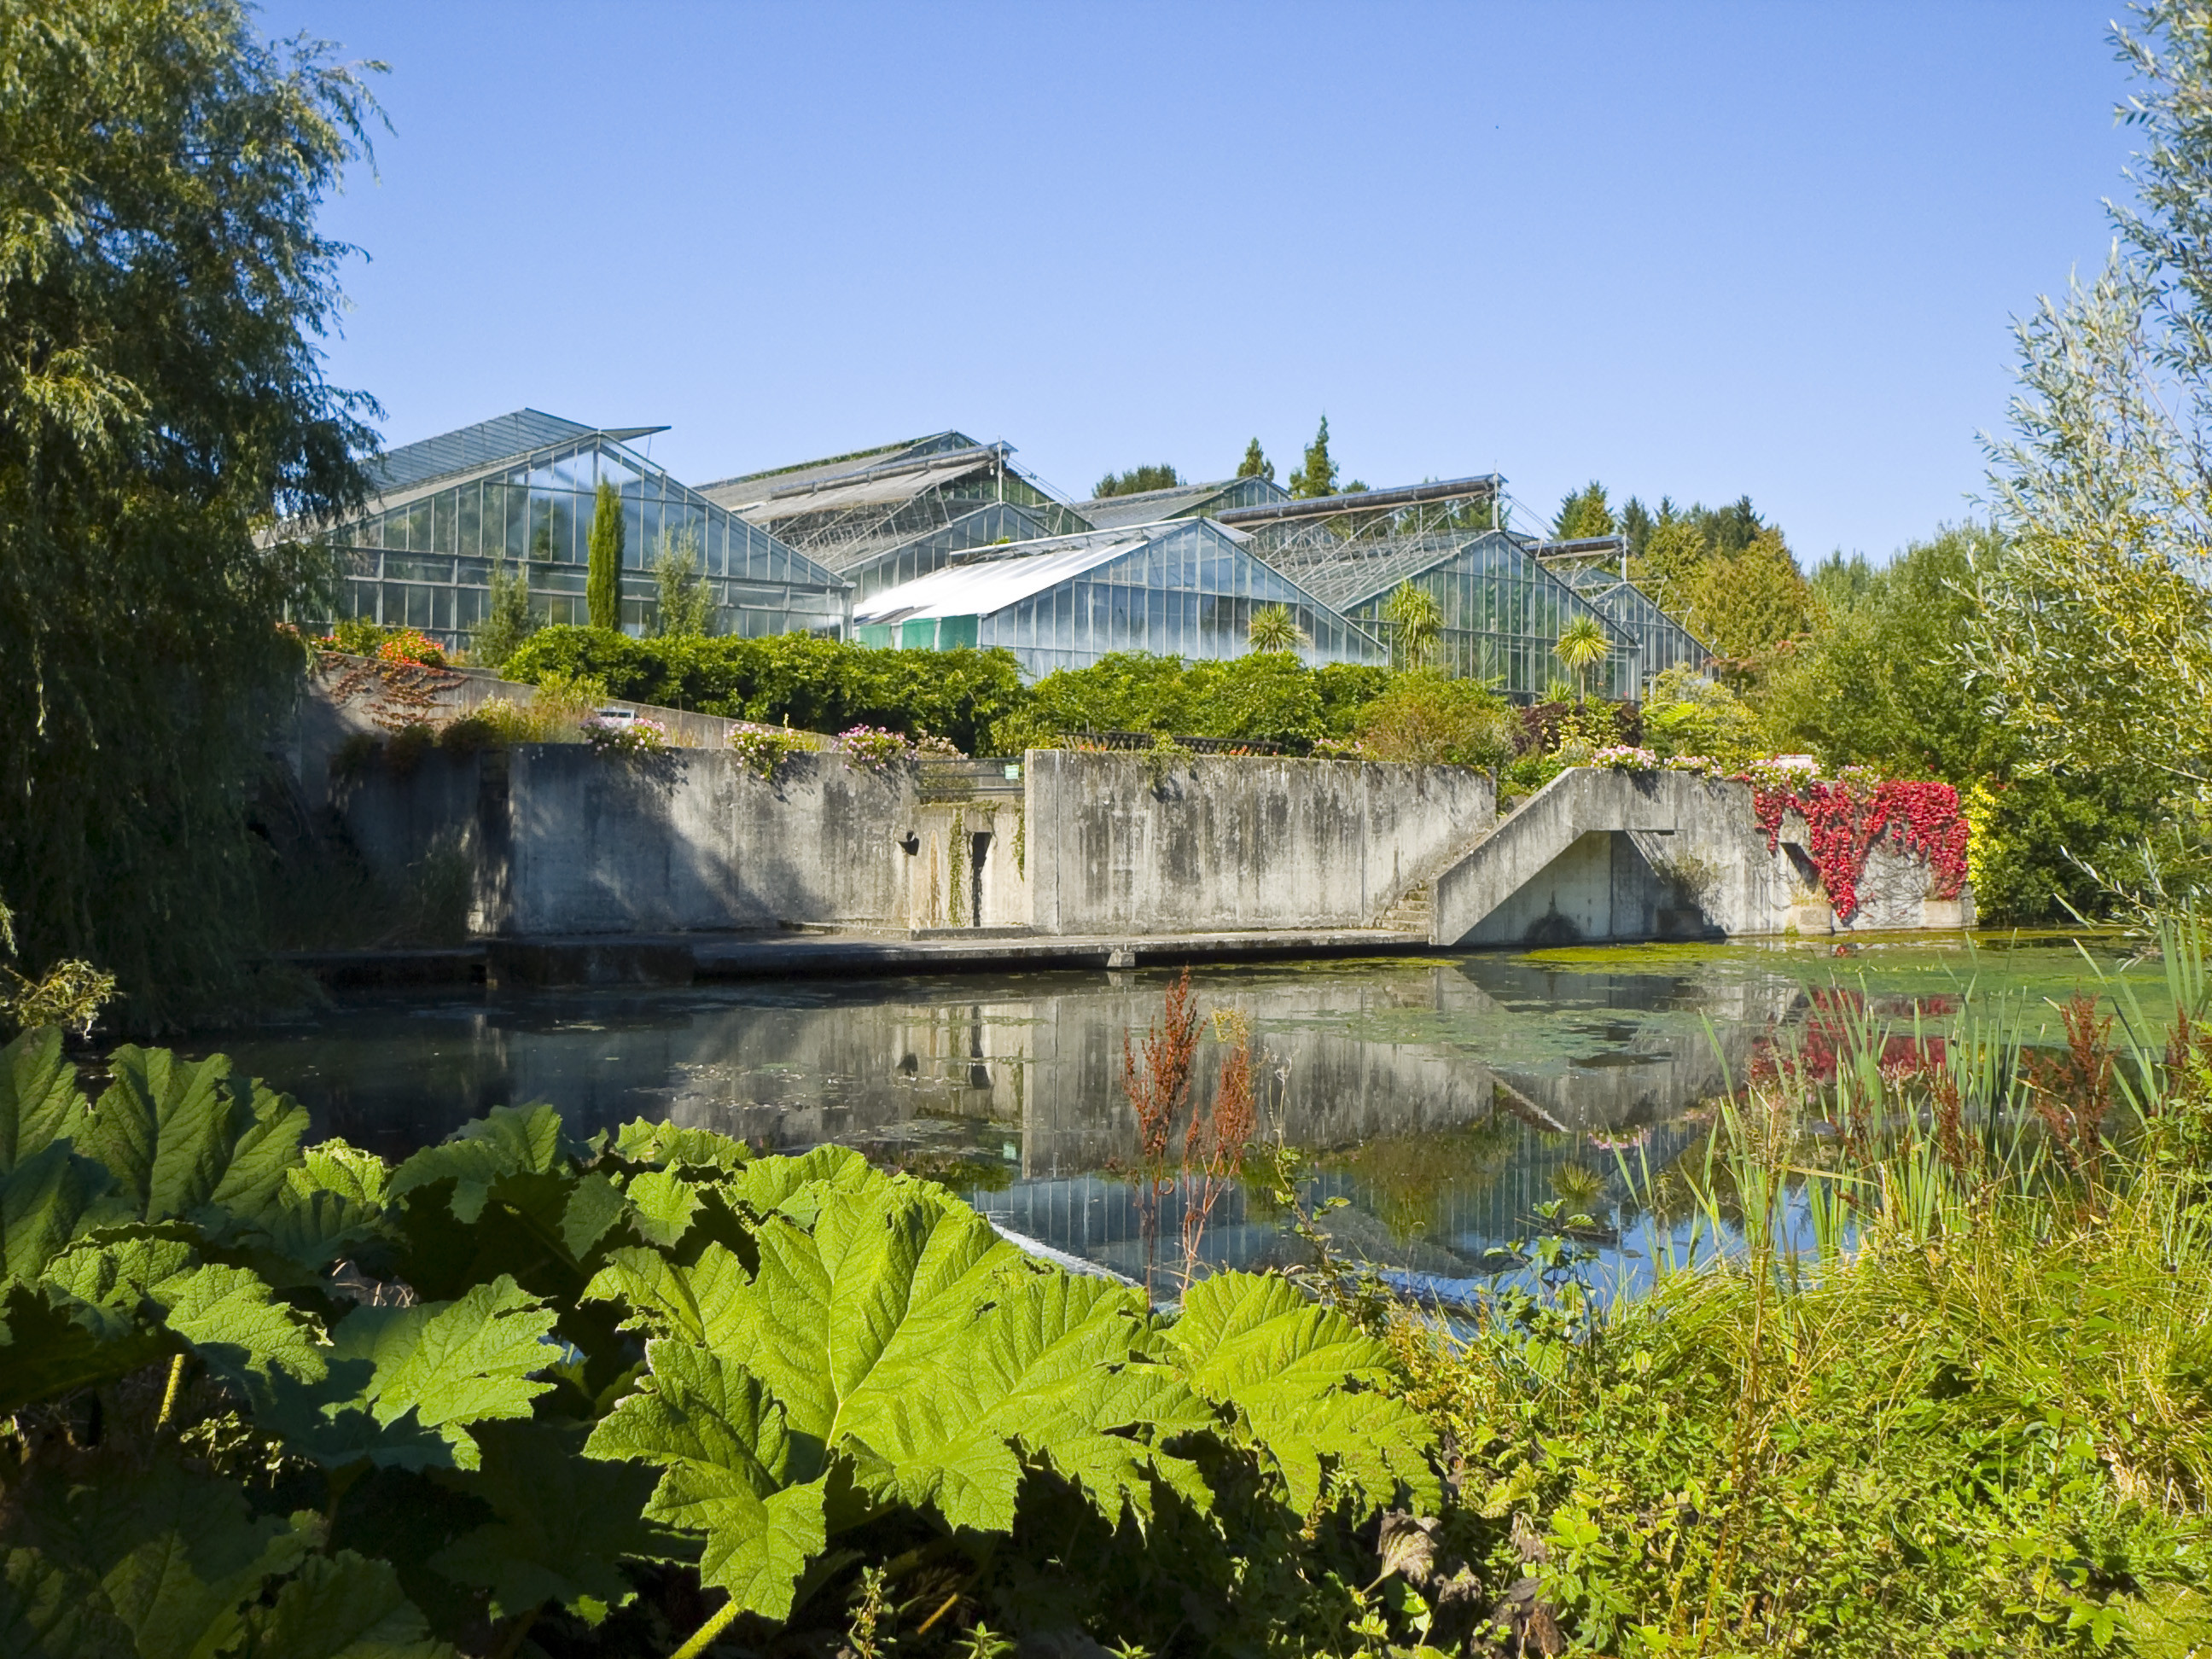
(1926, 1367)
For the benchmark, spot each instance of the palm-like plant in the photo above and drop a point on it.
(1582, 645)
(1274, 629)
(1417, 623)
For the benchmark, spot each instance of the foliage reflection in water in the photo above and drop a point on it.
(1447, 1099)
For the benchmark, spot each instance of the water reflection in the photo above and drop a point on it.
(1445, 1098)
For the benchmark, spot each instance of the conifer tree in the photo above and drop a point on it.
(1317, 477)
(1752, 600)
(507, 620)
(1585, 513)
(1255, 464)
(603, 580)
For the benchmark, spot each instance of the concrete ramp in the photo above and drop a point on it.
(1605, 856)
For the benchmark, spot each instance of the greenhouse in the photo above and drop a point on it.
(521, 489)
(1501, 611)
(1185, 588)
(880, 515)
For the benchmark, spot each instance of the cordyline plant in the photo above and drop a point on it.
(615, 1395)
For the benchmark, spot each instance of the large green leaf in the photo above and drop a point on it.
(640, 1142)
(451, 1363)
(186, 1138)
(796, 1186)
(732, 1469)
(662, 1204)
(225, 1314)
(38, 1100)
(340, 1607)
(564, 1524)
(510, 1141)
(668, 1298)
(1305, 1381)
(178, 1555)
(49, 1351)
(47, 1200)
(332, 1166)
(1049, 1368)
(49, 1613)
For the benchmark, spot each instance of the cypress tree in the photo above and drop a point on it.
(1255, 464)
(603, 582)
(1317, 477)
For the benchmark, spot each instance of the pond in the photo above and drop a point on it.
(1445, 1098)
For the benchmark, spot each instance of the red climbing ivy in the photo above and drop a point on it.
(1847, 817)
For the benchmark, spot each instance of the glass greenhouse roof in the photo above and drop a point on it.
(1185, 587)
(1183, 502)
(421, 554)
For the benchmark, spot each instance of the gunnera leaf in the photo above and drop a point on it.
(186, 1138)
(667, 1297)
(49, 1613)
(731, 1469)
(640, 1142)
(47, 1200)
(332, 1166)
(564, 1524)
(178, 1555)
(510, 1140)
(38, 1100)
(1304, 1380)
(451, 1363)
(795, 1186)
(225, 1314)
(342, 1607)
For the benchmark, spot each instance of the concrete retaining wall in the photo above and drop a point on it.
(1119, 843)
(1605, 856)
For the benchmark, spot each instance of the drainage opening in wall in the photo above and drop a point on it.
(979, 848)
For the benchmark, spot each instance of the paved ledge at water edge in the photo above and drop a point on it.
(684, 958)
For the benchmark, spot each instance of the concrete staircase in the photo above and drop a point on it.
(1413, 913)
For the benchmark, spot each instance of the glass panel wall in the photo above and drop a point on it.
(427, 562)
(1189, 593)
(1503, 616)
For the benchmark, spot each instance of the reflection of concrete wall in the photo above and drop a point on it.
(1121, 844)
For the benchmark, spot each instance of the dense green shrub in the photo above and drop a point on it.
(605, 1392)
(1265, 697)
(799, 679)
(1426, 719)
(2032, 834)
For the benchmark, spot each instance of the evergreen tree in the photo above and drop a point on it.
(1637, 522)
(1255, 464)
(1416, 624)
(508, 619)
(1137, 480)
(1729, 530)
(1585, 514)
(1753, 599)
(1317, 477)
(603, 581)
(687, 606)
(1670, 567)
(1274, 629)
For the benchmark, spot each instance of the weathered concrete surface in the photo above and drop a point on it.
(1120, 843)
(1598, 856)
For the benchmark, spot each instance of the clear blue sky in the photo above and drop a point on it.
(1701, 250)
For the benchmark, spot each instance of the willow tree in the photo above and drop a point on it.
(169, 453)
(603, 576)
(2092, 630)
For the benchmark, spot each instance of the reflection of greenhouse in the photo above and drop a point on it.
(1185, 587)
(883, 516)
(522, 488)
